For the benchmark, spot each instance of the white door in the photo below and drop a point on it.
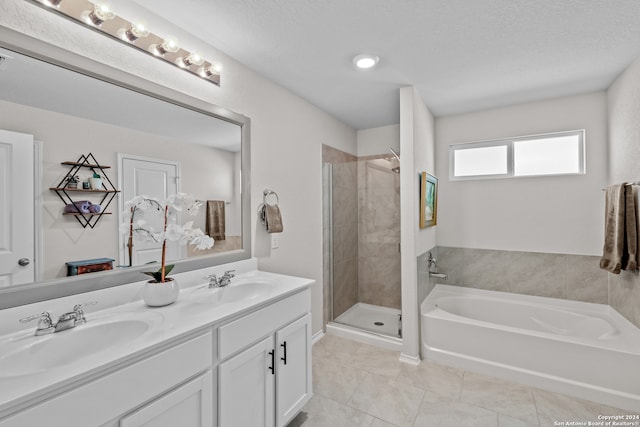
(17, 236)
(141, 176)
(293, 380)
(187, 406)
(246, 394)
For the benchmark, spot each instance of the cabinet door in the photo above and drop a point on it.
(293, 379)
(190, 405)
(246, 394)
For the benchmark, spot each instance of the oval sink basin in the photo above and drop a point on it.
(244, 289)
(29, 355)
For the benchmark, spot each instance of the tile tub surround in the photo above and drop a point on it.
(360, 385)
(574, 277)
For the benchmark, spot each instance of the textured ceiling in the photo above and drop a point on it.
(462, 55)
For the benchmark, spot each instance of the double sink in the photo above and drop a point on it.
(23, 353)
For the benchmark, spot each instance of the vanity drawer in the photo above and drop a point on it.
(113, 395)
(241, 333)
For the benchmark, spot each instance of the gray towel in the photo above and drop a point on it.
(273, 219)
(620, 236)
(215, 220)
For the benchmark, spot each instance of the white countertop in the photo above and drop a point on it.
(186, 316)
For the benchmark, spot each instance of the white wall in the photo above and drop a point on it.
(417, 155)
(624, 131)
(536, 214)
(287, 132)
(378, 140)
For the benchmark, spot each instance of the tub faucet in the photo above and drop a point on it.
(432, 262)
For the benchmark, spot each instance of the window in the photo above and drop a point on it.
(559, 153)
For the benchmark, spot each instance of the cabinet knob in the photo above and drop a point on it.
(23, 262)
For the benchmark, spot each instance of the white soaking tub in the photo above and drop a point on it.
(586, 350)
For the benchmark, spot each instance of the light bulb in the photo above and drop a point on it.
(134, 32)
(170, 44)
(52, 3)
(193, 58)
(365, 61)
(212, 70)
(100, 13)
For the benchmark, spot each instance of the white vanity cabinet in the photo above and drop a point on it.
(264, 378)
(189, 405)
(177, 381)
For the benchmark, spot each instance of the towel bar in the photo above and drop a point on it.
(628, 183)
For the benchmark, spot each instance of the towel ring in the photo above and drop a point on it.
(266, 194)
(265, 203)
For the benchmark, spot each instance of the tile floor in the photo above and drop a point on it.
(357, 385)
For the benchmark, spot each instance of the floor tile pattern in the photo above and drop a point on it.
(358, 385)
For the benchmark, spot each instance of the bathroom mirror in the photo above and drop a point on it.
(147, 138)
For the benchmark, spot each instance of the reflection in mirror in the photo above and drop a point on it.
(143, 146)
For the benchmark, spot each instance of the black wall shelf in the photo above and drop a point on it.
(108, 191)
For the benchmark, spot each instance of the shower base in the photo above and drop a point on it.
(370, 324)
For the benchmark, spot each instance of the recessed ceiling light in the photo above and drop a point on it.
(365, 61)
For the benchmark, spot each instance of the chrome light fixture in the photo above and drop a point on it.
(99, 17)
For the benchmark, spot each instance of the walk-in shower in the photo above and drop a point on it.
(362, 244)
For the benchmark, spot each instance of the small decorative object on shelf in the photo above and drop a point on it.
(72, 181)
(95, 182)
(86, 212)
(162, 290)
(89, 266)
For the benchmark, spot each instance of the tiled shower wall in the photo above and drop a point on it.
(345, 233)
(379, 232)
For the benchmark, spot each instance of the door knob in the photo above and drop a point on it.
(23, 262)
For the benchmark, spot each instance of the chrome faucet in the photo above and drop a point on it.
(225, 280)
(66, 321)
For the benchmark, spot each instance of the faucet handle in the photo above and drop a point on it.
(45, 324)
(79, 312)
(230, 273)
(210, 276)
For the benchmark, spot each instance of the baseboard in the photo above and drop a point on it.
(317, 336)
(412, 360)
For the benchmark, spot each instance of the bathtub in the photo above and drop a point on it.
(585, 350)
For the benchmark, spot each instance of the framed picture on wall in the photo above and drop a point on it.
(428, 200)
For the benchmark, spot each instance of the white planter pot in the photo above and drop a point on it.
(95, 183)
(157, 294)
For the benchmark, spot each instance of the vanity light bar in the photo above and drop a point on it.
(100, 18)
